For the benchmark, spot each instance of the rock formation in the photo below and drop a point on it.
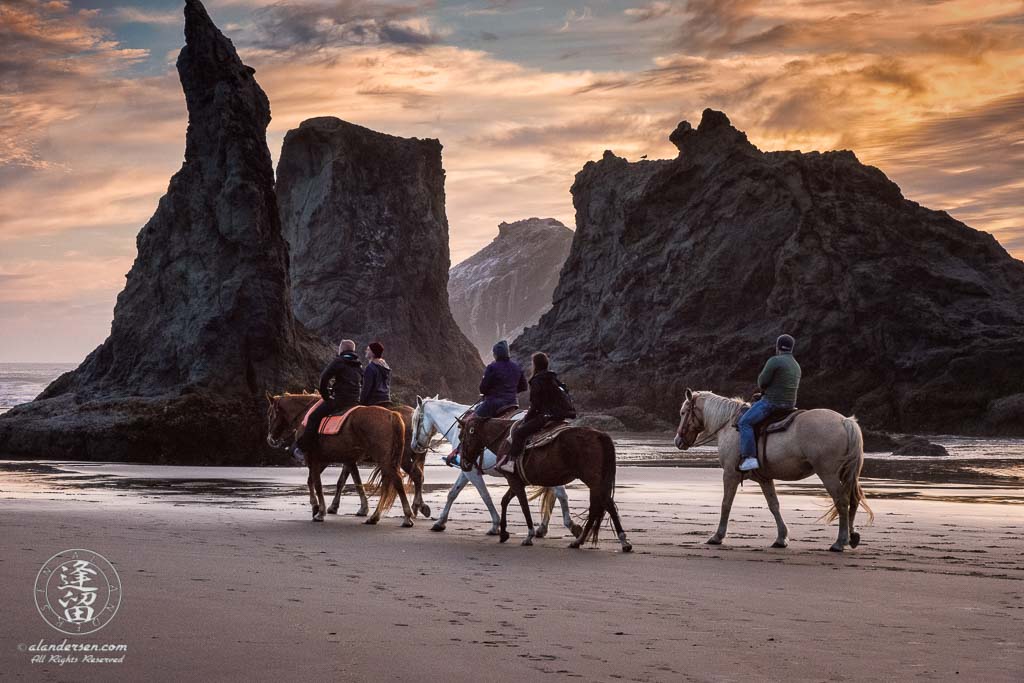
(204, 326)
(507, 285)
(682, 273)
(364, 216)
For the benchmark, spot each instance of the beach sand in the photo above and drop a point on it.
(225, 577)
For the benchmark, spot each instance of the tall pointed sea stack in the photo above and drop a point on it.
(682, 273)
(364, 216)
(203, 327)
(507, 285)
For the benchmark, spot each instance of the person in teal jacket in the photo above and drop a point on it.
(779, 382)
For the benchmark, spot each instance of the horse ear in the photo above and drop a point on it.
(270, 398)
(689, 394)
(419, 401)
(437, 396)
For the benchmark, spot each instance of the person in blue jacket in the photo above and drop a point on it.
(376, 378)
(502, 383)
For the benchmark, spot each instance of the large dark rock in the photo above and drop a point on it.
(683, 272)
(204, 326)
(364, 216)
(506, 286)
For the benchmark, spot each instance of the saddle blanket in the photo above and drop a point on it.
(775, 425)
(332, 424)
(547, 434)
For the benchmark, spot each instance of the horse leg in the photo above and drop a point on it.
(503, 535)
(524, 502)
(481, 488)
(842, 502)
(312, 494)
(730, 482)
(357, 481)
(768, 488)
(453, 493)
(321, 503)
(416, 475)
(333, 510)
(563, 500)
(547, 506)
(854, 504)
(613, 512)
(406, 508)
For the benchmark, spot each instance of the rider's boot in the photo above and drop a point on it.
(508, 467)
(298, 455)
(748, 464)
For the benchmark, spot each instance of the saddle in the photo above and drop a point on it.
(779, 421)
(548, 433)
(329, 425)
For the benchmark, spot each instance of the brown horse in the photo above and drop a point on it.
(369, 434)
(578, 453)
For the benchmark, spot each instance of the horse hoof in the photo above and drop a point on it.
(438, 527)
(541, 533)
(528, 541)
(576, 530)
(318, 518)
(492, 532)
(627, 547)
(713, 541)
(854, 539)
(836, 548)
(425, 511)
(574, 544)
(333, 510)
(780, 544)
(362, 512)
(503, 537)
(407, 523)
(371, 520)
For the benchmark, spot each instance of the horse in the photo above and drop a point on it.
(369, 433)
(577, 453)
(819, 441)
(412, 464)
(438, 416)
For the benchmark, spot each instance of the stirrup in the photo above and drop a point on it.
(749, 464)
(508, 467)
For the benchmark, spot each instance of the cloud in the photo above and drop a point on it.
(652, 10)
(138, 15)
(296, 27)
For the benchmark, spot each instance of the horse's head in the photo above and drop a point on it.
(284, 415)
(422, 432)
(474, 437)
(691, 420)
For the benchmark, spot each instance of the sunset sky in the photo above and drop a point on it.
(520, 93)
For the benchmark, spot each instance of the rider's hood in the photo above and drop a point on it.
(350, 357)
(382, 363)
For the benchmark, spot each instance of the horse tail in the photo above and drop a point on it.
(385, 484)
(606, 489)
(547, 499)
(849, 472)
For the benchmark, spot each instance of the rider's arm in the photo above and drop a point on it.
(325, 382)
(364, 390)
(522, 386)
(487, 381)
(764, 380)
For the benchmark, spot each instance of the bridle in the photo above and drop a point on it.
(419, 429)
(479, 464)
(280, 443)
(687, 416)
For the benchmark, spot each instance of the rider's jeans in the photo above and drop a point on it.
(758, 413)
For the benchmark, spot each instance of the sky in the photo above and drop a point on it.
(520, 93)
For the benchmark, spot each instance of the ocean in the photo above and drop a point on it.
(22, 382)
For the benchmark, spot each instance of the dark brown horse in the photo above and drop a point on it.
(578, 453)
(369, 434)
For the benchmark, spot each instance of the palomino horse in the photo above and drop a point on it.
(412, 464)
(438, 416)
(578, 453)
(369, 434)
(820, 441)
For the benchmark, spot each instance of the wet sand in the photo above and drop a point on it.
(224, 576)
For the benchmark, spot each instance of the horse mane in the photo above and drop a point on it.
(718, 410)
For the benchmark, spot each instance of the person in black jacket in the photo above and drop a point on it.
(546, 403)
(376, 378)
(340, 385)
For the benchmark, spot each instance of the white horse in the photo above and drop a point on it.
(819, 441)
(438, 416)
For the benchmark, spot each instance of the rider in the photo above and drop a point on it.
(500, 387)
(779, 380)
(502, 383)
(339, 389)
(546, 403)
(376, 377)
